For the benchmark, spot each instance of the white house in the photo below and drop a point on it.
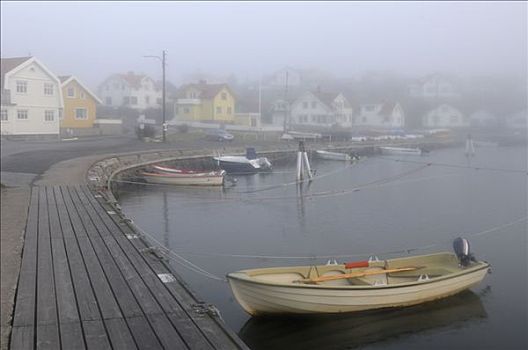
(386, 115)
(318, 109)
(433, 86)
(31, 98)
(445, 116)
(131, 90)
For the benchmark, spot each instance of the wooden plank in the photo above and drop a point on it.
(188, 331)
(128, 304)
(119, 334)
(66, 302)
(22, 338)
(72, 336)
(24, 314)
(48, 337)
(211, 328)
(88, 307)
(95, 335)
(105, 299)
(143, 333)
(167, 334)
(46, 301)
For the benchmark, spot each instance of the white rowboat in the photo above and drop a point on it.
(333, 155)
(213, 178)
(401, 151)
(326, 288)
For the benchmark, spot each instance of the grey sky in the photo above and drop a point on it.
(94, 39)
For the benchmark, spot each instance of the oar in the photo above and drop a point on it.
(357, 274)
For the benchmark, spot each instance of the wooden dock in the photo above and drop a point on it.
(88, 281)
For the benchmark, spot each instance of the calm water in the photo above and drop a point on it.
(376, 206)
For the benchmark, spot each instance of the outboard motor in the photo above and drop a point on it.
(462, 251)
(251, 153)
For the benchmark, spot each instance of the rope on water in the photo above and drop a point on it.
(391, 252)
(458, 166)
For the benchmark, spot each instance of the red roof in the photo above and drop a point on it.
(8, 64)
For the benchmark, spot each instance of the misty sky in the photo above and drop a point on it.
(94, 39)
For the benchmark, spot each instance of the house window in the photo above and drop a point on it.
(81, 114)
(186, 110)
(108, 100)
(71, 92)
(22, 114)
(218, 110)
(224, 96)
(126, 100)
(3, 115)
(21, 86)
(229, 110)
(147, 99)
(133, 100)
(313, 118)
(314, 104)
(48, 89)
(305, 105)
(49, 116)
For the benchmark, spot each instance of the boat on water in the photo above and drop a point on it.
(359, 286)
(171, 176)
(332, 155)
(248, 164)
(401, 151)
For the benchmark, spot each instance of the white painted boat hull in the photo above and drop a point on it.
(401, 151)
(258, 297)
(184, 181)
(333, 156)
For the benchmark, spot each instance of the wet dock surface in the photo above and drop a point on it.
(88, 281)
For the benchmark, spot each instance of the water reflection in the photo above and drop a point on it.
(357, 330)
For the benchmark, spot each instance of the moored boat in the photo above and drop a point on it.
(354, 287)
(401, 151)
(247, 164)
(171, 176)
(332, 155)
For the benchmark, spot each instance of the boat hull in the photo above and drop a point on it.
(259, 296)
(333, 156)
(162, 179)
(401, 151)
(242, 165)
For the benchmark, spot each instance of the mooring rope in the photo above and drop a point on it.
(334, 256)
(458, 166)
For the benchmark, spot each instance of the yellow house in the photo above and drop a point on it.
(206, 102)
(80, 104)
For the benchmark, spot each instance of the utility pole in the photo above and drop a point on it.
(163, 97)
(163, 65)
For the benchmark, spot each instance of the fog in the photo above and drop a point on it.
(93, 39)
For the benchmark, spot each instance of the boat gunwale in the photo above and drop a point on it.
(481, 265)
(186, 176)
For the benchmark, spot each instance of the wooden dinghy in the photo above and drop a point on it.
(354, 286)
(171, 176)
(401, 151)
(332, 155)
